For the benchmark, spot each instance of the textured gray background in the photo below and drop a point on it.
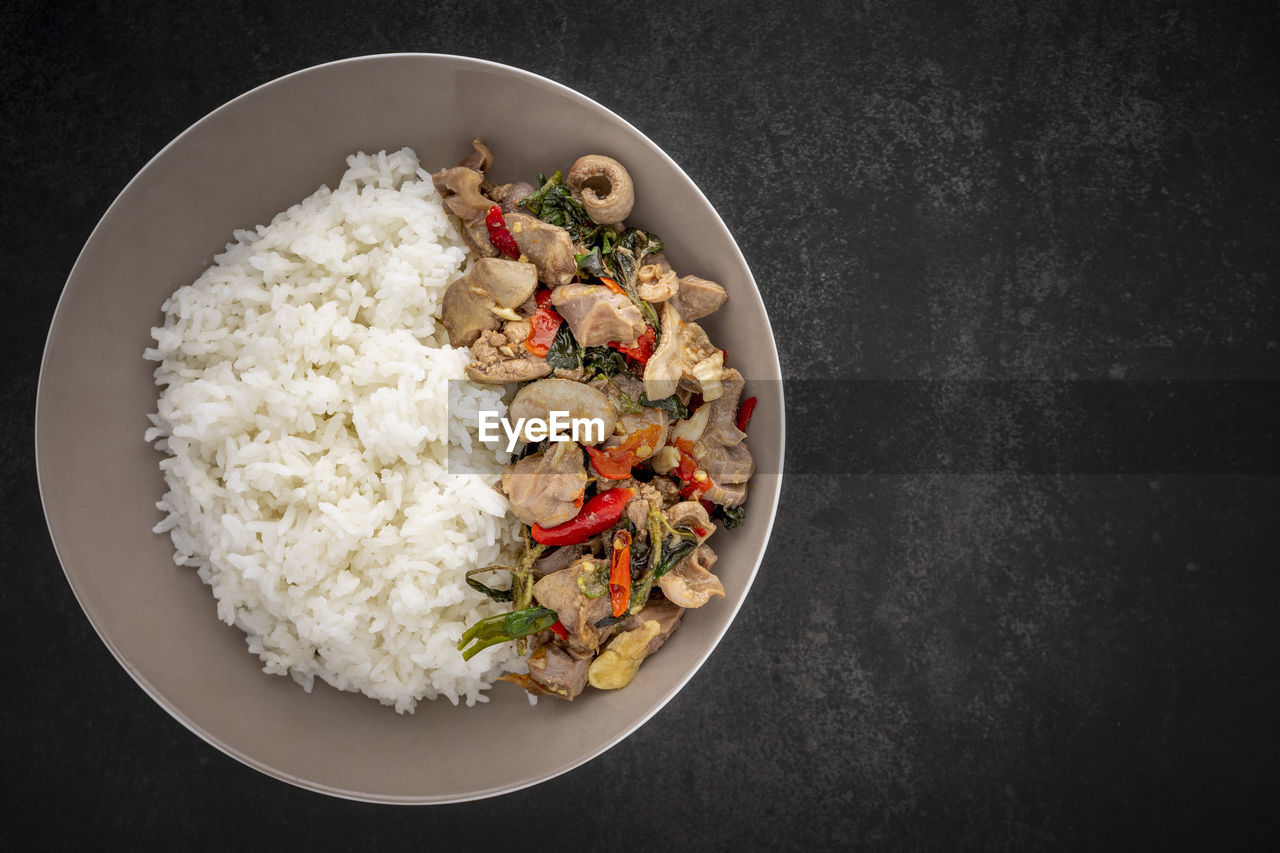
(1013, 640)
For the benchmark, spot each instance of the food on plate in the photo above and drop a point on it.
(316, 377)
(614, 524)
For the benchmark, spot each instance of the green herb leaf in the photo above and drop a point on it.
(603, 362)
(495, 594)
(503, 627)
(564, 351)
(553, 203)
(624, 264)
(591, 265)
(671, 405)
(640, 244)
(672, 553)
(533, 201)
(730, 516)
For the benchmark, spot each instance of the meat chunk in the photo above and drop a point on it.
(683, 354)
(556, 560)
(734, 494)
(545, 488)
(460, 187)
(720, 450)
(668, 488)
(476, 235)
(697, 297)
(604, 187)
(693, 515)
(637, 509)
(690, 583)
(625, 393)
(490, 288)
(480, 158)
(548, 247)
(640, 636)
(597, 315)
(617, 665)
(574, 400)
(509, 195)
(665, 613)
(561, 592)
(496, 360)
(726, 465)
(655, 284)
(559, 671)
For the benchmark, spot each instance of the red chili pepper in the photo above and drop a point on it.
(687, 470)
(620, 572)
(612, 285)
(707, 505)
(542, 297)
(702, 531)
(744, 413)
(560, 630)
(607, 466)
(543, 326)
(599, 513)
(499, 236)
(615, 463)
(643, 350)
(695, 490)
(687, 465)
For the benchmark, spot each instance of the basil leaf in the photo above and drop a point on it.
(553, 203)
(730, 516)
(640, 243)
(564, 350)
(495, 594)
(672, 556)
(671, 405)
(522, 623)
(502, 627)
(624, 264)
(603, 362)
(591, 265)
(533, 201)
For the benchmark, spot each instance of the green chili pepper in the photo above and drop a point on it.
(504, 627)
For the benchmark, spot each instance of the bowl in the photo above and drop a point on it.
(99, 480)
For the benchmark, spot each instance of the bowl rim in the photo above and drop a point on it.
(249, 760)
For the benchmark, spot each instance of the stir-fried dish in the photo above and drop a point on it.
(589, 316)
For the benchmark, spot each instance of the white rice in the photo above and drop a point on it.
(303, 410)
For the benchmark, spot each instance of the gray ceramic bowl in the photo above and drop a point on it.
(99, 480)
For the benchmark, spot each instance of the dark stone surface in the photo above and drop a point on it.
(964, 651)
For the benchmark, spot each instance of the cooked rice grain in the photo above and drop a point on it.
(303, 413)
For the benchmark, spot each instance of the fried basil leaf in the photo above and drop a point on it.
(603, 362)
(533, 201)
(640, 244)
(730, 516)
(673, 551)
(564, 351)
(671, 405)
(553, 203)
(495, 594)
(591, 265)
